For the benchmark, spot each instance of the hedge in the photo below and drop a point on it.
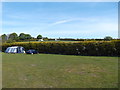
(88, 48)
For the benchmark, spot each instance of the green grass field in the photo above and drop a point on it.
(59, 71)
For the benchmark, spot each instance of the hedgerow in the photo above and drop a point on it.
(91, 48)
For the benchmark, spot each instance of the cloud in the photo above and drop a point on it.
(75, 19)
(62, 21)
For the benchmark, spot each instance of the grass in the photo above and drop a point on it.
(59, 71)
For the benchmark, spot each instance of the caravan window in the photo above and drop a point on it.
(13, 50)
(7, 50)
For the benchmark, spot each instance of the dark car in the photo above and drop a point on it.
(31, 51)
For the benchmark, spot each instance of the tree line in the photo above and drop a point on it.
(14, 37)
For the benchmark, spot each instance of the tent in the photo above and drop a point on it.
(15, 49)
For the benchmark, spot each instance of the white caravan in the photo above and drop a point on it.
(15, 49)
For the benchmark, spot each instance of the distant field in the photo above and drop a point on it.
(58, 41)
(49, 41)
(59, 71)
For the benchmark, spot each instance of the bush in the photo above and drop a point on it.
(91, 48)
(10, 41)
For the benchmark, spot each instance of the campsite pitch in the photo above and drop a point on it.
(59, 71)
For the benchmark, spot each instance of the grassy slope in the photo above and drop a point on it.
(59, 71)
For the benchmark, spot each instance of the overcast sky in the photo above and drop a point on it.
(61, 19)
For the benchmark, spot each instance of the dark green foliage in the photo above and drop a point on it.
(4, 38)
(107, 49)
(39, 37)
(93, 48)
(13, 36)
(28, 36)
(10, 41)
(23, 36)
(117, 47)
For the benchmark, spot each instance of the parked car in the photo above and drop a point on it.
(31, 51)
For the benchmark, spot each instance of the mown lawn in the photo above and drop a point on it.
(59, 71)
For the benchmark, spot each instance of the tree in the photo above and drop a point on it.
(39, 37)
(108, 38)
(13, 36)
(4, 37)
(22, 36)
(28, 36)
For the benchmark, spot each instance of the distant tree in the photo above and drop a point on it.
(22, 36)
(39, 37)
(13, 36)
(4, 37)
(108, 38)
(28, 36)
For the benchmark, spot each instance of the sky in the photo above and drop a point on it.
(61, 19)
